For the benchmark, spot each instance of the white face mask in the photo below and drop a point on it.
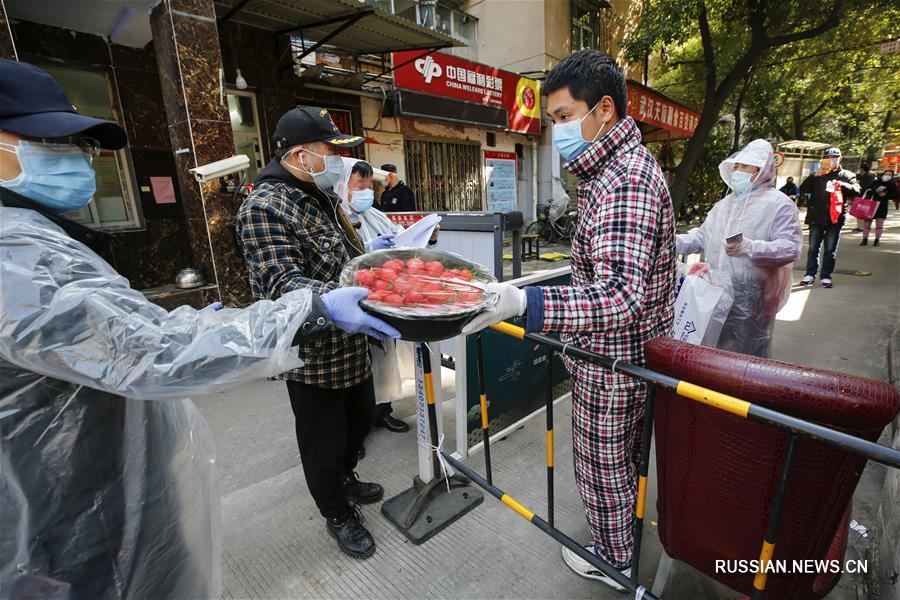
(886, 177)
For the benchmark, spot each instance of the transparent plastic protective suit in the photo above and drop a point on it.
(107, 474)
(760, 281)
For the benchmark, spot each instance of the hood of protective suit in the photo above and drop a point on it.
(758, 153)
(342, 187)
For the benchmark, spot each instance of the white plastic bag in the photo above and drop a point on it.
(700, 311)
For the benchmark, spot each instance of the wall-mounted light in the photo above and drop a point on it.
(239, 81)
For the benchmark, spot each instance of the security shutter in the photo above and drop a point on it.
(444, 176)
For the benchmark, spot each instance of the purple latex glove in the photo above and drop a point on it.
(343, 308)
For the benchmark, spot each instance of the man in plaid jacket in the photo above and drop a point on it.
(293, 237)
(621, 295)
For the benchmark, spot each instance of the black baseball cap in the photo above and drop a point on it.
(305, 124)
(32, 104)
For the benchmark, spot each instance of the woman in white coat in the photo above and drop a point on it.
(357, 196)
(751, 237)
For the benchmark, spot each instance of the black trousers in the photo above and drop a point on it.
(331, 426)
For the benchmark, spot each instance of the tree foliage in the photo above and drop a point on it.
(745, 58)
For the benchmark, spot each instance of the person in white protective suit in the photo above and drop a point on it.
(391, 359)
(107, 478)
(751, 238)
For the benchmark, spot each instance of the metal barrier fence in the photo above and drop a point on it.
(797, 427)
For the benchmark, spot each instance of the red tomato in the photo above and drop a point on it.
(415, 263)
(365, 277)
(470, 296)
(414, 297)
(376, 296)
(434, 268)
(381, 285)
(395, 299)
(430, 286)
(385, 274)
(466, 275)
(394, 265)
(402, 285)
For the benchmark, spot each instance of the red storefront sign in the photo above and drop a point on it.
(651, 108)
(405, 218)
(444, 75)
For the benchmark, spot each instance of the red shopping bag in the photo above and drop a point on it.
(864, 208)
(837, 203)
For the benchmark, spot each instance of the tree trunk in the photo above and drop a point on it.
(708, 118)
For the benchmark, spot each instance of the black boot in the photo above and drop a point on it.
(865, 242)
(877, 242)
(352, 538)
(360, 492)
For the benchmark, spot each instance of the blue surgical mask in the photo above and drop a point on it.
(329, 175)
(568, 140)
(740, 182)
(59, 177)
(362, 200)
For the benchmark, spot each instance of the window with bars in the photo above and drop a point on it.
(585, 25)
(444, 176)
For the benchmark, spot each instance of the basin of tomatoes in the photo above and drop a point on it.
(427, 295)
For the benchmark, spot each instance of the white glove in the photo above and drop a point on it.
(741, 248)
(510, 303)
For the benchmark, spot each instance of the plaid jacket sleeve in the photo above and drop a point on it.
(274, 255)
(623, 243)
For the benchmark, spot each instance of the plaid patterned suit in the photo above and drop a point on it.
(621, 296)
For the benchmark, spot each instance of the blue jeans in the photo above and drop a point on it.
(829, 234)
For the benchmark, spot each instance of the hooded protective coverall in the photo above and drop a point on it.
(107, 485)
(387, 356)
(759, 277)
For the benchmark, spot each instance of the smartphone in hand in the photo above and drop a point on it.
(736, 238)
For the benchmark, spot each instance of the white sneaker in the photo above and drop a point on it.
(585, 569)
(807, 280)
(826, 282)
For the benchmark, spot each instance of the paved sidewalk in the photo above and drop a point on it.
(275, 545)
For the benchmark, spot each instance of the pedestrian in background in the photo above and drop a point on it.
(884, 190)
(865, 178)
(790, 189)
(396, 197)
(825, 227)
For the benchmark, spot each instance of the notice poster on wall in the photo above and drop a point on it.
(500, 181)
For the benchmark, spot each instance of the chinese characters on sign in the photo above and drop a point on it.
(444, 75)
(500, 180)
(653, 109)
(405, 219)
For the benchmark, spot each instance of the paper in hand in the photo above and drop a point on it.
(417, 234)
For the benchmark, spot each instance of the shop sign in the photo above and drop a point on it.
(405, 218)
(653, 109)
(452, 77)
(500, 181)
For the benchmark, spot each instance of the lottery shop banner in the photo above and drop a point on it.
(651, 108)
(452, 77)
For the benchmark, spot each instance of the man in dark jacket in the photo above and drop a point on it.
(294, 236)
(790, 189)
(396, 197)
(823, 227)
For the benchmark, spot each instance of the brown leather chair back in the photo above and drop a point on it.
(717, 472)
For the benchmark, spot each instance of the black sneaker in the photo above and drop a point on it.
(360, 492)
(865, 242)
(352, 538)
(877, 242)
